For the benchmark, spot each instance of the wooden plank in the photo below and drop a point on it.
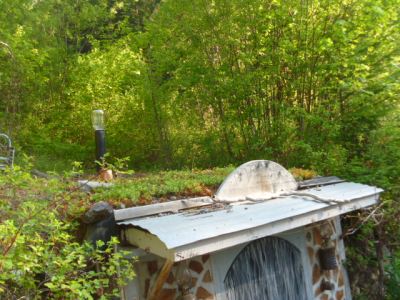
(154, 293)
(319, 181)
(150, 243)
(153, 209)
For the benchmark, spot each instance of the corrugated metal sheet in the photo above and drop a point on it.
(190, 232)
(184, 228)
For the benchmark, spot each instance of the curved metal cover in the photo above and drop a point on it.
(256, 179)
(187, 234)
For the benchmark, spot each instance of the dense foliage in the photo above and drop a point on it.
(311, 84)
(41, 252)
(40, 255)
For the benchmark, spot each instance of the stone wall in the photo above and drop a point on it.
(327, 284)
(201, 285)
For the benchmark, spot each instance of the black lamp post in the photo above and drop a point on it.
(99, 135)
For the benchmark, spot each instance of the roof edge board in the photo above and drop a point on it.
(153, 209)
(149, 242)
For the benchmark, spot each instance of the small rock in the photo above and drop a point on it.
(102, 230)
(196, 266)
(89, 186)
(202, 293)
(98, 211)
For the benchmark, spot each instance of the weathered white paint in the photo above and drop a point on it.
(152, 209)
(148, 242)
(131, 290)
(192, 235)
(89, 186)
(256, 179)
(342, 256)
(222, 260)
(262, 201)
(183, 228)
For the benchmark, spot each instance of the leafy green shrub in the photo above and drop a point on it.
(40, 256)
(374, 249)
(393, 272)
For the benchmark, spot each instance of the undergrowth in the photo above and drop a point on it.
(40, 256)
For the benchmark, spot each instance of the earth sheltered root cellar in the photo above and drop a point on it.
(262, 236)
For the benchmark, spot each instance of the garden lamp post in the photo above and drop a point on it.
(99, 135)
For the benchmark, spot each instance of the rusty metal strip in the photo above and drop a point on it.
(319, 181)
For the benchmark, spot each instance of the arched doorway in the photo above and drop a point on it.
(266, 269)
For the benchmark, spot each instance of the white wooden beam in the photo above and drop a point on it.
(153, 209)
(148, 242)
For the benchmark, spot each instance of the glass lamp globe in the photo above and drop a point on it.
(98, 119)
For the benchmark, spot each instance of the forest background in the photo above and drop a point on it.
(200, 84)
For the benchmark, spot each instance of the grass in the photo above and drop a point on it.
(162, 185)
(137, 189)
(63, 194)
